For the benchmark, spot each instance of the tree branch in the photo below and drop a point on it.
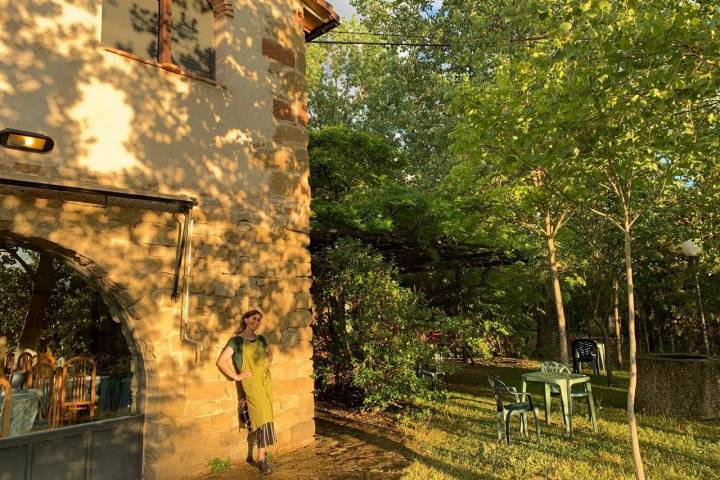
(28, 269)
(607, 217)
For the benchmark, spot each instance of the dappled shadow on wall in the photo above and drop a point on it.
(130, 124)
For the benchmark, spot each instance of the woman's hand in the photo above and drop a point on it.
(242, 376)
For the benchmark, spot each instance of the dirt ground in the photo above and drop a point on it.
(345, 448)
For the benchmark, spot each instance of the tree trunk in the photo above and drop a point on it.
(618, 327)
(608, 363)
(557, 294)
(603, 325)
(546, 338)
(646, 333)
(659, 342)
(632, 423)
(43, 282)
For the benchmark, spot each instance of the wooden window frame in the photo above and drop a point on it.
(220, 9)
(165, 32)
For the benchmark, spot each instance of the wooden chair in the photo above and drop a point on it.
(8, 364)
(24, 368)
(42, 358)
(77, 387)
(44, 378)
(5, 406)
(25, 361)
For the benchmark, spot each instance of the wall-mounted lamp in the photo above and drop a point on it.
(26, 141)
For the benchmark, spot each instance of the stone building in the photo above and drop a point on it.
(178, 187)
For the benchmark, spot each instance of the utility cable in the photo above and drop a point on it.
(386, 44)
(378, 34)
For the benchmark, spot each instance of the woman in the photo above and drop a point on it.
(246, 359)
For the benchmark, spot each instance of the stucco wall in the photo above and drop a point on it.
(238, 147)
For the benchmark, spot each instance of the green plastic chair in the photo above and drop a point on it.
(434, 371)
(556, 367)
(505, 411)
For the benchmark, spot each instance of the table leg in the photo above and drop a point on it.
(523, 421)
(548, 400)
(591, 406)
(570, 407)
(567, 406)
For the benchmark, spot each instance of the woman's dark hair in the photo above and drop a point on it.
(245, 315)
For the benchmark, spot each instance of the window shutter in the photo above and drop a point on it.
(131, 26)
(192, 36)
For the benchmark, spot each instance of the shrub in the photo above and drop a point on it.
(486, 335)
(368, 329)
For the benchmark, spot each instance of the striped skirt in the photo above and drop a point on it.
(264, 435)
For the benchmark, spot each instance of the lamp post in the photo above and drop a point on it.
(692, 250)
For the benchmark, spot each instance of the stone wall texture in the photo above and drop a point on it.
(679, 385)
(238, 145)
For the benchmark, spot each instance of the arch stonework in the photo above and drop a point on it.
(113, 295)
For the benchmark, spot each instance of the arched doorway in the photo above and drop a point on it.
(75, 406)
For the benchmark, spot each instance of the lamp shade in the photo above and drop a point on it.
(26, 141)
(690, 248)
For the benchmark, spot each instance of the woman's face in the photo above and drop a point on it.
(253, 322)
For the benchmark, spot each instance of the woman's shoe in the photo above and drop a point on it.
(264, 466)
(250, 461)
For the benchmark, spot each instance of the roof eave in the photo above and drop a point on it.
(319, 18)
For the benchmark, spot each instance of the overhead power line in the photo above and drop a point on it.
(387, 44)
(379, 34)
(429, 43)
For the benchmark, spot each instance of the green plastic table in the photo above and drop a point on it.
(565, 381)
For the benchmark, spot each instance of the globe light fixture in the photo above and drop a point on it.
(26, 141)
(691, 249)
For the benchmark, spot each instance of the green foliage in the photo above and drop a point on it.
(219, 465)
(489, 334)
(605, 99)
(613, 113)
(15, 288)
(391, 92)
(346, 161)
(369, 330)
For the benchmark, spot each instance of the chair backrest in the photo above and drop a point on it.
(78, 381)
(9, 362)
(5, 406)
(585, 349)
(25, 361)
(44, 378)
(499, 389)
(554, 367)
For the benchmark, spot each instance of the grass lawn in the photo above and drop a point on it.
(458, 439)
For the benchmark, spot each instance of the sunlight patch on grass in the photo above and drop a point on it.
(458, 439)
